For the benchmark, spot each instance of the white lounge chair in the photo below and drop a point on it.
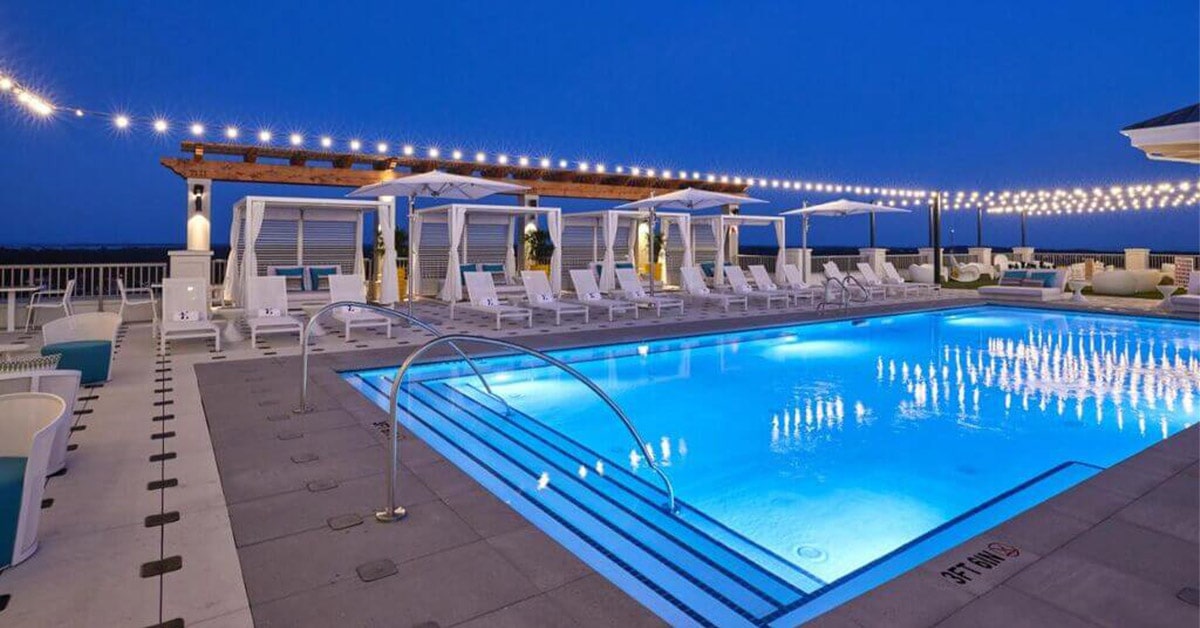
(27, 432)
(185, 313)
(966, 273)
(892, 276)
(129, 299)
(63, 384)
(589, 294)
(1190, 301)
(631, 290)
(833, 272)
(267, 312)
(42, 300)
(763, 280)
(693, 285)
(541, 297)
(737, 279)
(352, 288)
(481, 297)
(871, 279)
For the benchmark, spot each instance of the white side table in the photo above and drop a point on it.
(1166, 292)
(10, 316)
(1077, 286)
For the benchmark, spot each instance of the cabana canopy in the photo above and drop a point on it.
(606, 227)
(839, 208)
(281, 231)
(720, 227)
(457, 219)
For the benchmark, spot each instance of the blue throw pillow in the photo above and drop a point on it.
(463, 269)
(491, 268)
(707, 268)
(1047, 277)
(316, 272)
(624, 265)
(291, 272)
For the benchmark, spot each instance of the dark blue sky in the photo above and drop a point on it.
(950, 94)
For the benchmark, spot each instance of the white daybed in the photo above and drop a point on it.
(1053, 291)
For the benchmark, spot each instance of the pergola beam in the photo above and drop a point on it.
(266, 164)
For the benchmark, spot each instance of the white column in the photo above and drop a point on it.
(1137, 259)
(981, 254)
(1023, 253)
(875, 257)
(802, 258)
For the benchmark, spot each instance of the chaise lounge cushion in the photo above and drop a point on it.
(1052, 291)
(90, 357)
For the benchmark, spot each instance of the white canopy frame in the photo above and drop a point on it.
(722, 225)
(458, 216)
(606, 225)
(250, 212)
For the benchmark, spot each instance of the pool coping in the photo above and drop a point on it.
(331, 392)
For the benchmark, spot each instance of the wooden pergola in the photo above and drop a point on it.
(247, 163)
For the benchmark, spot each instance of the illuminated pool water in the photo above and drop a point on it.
(816, 450)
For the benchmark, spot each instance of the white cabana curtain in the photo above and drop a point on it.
(685, 236)
(554, 225)
(510, 251)
(718, 229)
(608, 271)
(254, 220)
(389, 291)
(233, 273)
(360, 266)
(452, 287)
(414, 246)
(780, 257)
(631, 240)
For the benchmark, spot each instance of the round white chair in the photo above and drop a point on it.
(28, 423)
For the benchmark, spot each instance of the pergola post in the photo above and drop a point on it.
(936, 230)
(196, 259)
(527, 200)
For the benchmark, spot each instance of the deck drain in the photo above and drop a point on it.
(812, 553)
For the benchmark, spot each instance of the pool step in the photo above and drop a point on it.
(627, 523)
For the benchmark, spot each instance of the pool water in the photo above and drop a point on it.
(828, 446)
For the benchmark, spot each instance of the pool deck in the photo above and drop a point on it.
(264, 517)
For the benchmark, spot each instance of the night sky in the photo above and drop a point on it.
(959, 95)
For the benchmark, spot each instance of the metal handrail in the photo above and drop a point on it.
(308, 327)
(845, 290)
(395, 512)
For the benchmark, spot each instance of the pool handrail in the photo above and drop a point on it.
(303, 408)
(394, 512)
(844, 289)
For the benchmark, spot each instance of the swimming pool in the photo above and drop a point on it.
(811, 461)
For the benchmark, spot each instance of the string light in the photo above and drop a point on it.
(1055, 201)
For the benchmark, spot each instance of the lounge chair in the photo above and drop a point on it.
(541, 297)
(267, 312)
(185, 313)
(966, 273)
(481, 297)
(693, 285)
(1189, 302)
(352, 288)
(892, 276)
(762, 279)
(588, 293)
(737, 279)
(795, 280)
(632, 291)
(129, 299)
(871, 279)
(833, 272)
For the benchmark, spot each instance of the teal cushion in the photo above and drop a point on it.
(708, 268)
(90, 357)
(491, 268)
(12, 485)
(1013, 274)
(1047, 277)
(463, 269)
(624, 265)
(291, 272)
(316, 272)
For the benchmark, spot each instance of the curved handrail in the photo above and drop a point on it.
(863, 288)
(308, 327)
(394, 512)
(829, 283)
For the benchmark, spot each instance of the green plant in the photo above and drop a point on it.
(660, 241)
(541, 247)
(400, 240)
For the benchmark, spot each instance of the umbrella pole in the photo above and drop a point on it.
(804, 248)
(872, 240)
(652, 264)
(412, 281)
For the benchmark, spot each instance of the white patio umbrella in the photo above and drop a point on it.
(840, 207)
(432, 184)
(689, 199)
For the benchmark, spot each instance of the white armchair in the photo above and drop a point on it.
(50, 300)
(62, 384)
(136, 297)
(28, 424)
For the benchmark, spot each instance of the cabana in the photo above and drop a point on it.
(446, 237)
(325, 235)
(711, 239)
(607, 237)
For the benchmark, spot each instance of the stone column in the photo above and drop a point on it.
(802, 258)
(1023, 253)
(1137, 259)
(198, 216)
(981, 254)
(875, 257)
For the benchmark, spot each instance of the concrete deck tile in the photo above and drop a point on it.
(210, 583)
(312, 559)
(594, 601)
(445, 479)
(1008, 608)
(1173, 507)
(256, 427)
(250, 455)
(1103, 595)
(546, 563)
(289, 513)
(1041, 530)
(1087, 502)
(535, 611)
(1145, 553)
(247, 484)
(485, 513)
(916, 598)
(240, 618)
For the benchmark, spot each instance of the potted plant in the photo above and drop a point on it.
(541, 249)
